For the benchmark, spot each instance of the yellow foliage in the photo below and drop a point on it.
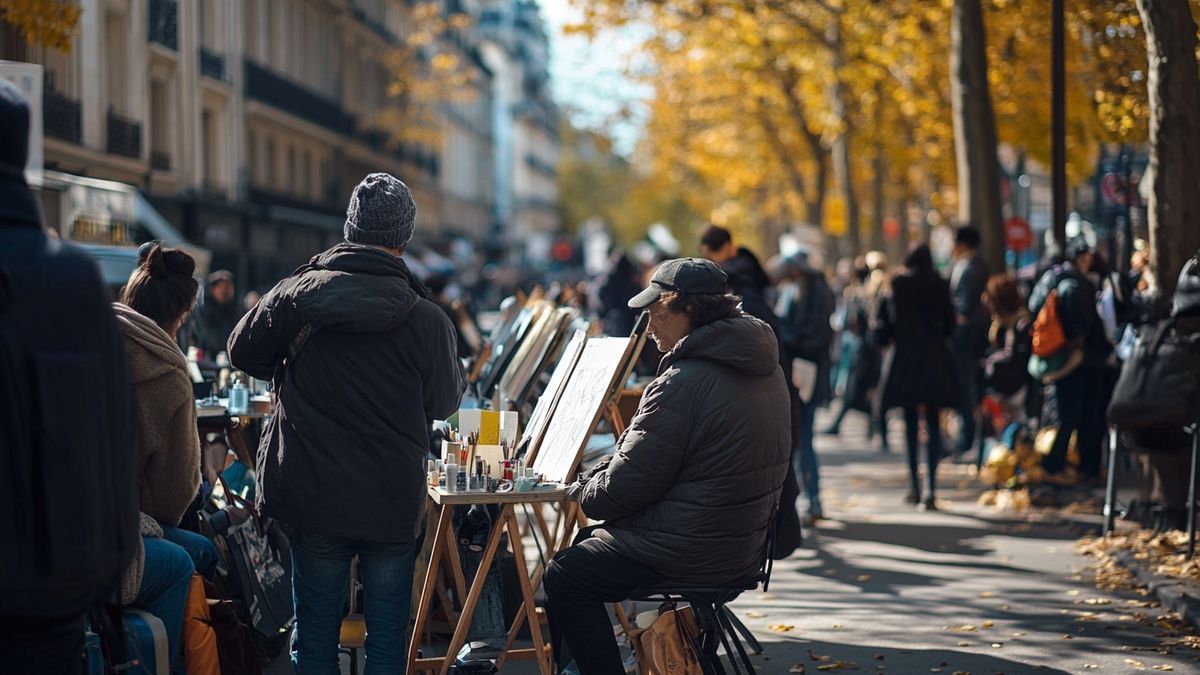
(47, 22)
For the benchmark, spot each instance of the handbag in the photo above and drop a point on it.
(670, 646)
(1159, 387)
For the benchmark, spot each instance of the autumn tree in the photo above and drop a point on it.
(46, 22)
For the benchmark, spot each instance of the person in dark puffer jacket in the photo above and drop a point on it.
(696, 476)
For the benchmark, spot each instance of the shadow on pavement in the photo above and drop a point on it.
(780, 656)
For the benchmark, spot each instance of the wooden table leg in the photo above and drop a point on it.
(427, 591)
(468, 611)
(535, 628)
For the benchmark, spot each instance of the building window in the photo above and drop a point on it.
(212, 147)
(290, 185)
(160, 119)
(117, 53)
(269, 174)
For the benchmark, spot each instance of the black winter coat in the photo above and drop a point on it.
(68, 515)
(697, 474)
(345, 452)
(807, 333)
(917, 320)
(212, 324)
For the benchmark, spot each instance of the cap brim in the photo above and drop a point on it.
(647, 297)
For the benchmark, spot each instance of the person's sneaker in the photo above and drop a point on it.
(831, 431)
(912, 498)
(930, 504)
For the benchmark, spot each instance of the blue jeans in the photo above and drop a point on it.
(804, 456)
(320, 587)
(165, 581)
(198, 546)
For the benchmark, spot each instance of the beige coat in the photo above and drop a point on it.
(167, 444)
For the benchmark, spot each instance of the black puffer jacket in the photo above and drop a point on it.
(345, 452)
(697, 473)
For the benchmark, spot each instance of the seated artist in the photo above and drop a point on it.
(696, 476)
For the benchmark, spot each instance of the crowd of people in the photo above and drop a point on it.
(100, 433)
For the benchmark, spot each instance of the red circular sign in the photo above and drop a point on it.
(1017, 234)
(891, 229)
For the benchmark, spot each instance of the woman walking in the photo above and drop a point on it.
(917, 320)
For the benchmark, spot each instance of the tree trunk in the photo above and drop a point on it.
(878, 168)
(816, 203)
(975, 131)
(1174, 138)
(842, 165)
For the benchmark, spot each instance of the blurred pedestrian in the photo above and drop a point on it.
(1079, 395)
(919, 376)
(214, 318)
(613, 290)
(1010, 342)
(875, 288)
(968, 278)
(804, 306)
(859, 363)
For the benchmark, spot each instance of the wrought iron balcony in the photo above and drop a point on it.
(61, 116)
(124, 136)
(164, 23)
(279, 92)
(212, 64)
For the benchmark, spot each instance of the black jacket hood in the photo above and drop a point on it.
(744, 343)
(356, 288)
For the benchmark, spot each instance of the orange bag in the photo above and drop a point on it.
(667, 646)
(1048, 336)
(199, 639)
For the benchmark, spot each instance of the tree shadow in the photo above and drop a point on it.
(780, 656)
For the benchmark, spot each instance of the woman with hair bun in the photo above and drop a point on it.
(154, 304)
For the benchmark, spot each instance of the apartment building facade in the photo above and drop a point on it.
(247, 123)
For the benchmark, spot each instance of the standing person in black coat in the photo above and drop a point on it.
(968, 280)
(917, 320)
(363, 362)
(70, 509)
(804, 307)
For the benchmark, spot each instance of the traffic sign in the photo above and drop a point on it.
(1017, 234)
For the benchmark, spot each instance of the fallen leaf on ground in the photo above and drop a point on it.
(837, 665)
(781, 627)
(798, 668)
(962, 672)
(1091, 666)
(967, 628)
(756, 615)
(988, 624)
(964, 644)
(997, 645)
(1136, 664)
(1004, 607)
(817, 657)
(1097, 601)
(1074, 592)
(1163, 667)
(864, 578)
(837, 626)
(879, 657)
(1067, 637)
(1019, 634)
(987, 594)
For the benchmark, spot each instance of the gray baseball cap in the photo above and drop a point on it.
(685, 276)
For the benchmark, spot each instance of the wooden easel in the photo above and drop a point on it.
(444, 545)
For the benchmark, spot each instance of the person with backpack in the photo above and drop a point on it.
(68, 514)
(1068, 331)
(363, 362)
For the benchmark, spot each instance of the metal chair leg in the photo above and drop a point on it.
(751, 641)
(1110, 488)
(1191, 510)
(723, 616)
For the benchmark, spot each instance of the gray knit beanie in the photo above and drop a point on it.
(381, 212)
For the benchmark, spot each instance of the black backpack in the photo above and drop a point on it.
(1158, 392)
(68, 505)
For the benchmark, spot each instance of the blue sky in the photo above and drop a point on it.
(589, 78)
